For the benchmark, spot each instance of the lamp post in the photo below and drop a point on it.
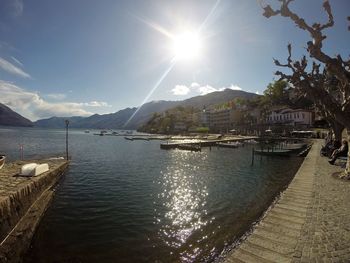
(67, 123)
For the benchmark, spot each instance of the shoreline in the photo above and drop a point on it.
(294, 228)
(23, 202)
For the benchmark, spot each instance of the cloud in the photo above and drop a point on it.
(10, 68)
(180, 90)
(18, 7)
(56, 96)
(206, 89)
(11, 9)
(96, 104)
(201, 89)
(195, 85)
(234, 87)
(32, 106)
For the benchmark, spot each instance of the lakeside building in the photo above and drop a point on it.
(227, 118)
(223, 120)
(290, 117)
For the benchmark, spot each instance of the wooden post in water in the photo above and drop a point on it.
(21, 151)
(67, 123)
(253, 156)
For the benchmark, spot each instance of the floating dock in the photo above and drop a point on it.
(23, 201)
(203, 143)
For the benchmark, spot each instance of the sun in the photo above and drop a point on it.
(186, 46)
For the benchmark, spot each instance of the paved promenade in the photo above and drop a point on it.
(309, 223)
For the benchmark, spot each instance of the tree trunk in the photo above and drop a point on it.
(346, 173)
(337, 129)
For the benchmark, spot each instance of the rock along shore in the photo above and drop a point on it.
(23, 201)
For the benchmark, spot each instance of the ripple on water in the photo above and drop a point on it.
(133, 202)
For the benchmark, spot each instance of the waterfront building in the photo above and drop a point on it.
(223, 120)
(290, 117)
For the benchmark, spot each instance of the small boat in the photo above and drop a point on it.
(145, 138)
(129, 138)
(252, 141)
(2, 160)
(87, 131)
(190, 147)
(227, 145)
(274, 152)
(34, 169)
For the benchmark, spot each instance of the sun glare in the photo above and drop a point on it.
(186, 46)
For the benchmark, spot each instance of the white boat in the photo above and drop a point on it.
(34, 169)
(2, 160)
(252, 141)
(227, 145)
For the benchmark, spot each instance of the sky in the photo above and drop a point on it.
(80, 57)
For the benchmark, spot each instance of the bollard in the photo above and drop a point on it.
(67, 123)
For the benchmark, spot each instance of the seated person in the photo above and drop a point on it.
(328, 149)
(342, 151)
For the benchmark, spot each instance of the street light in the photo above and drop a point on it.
(67, 123)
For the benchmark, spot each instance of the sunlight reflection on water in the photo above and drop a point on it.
(184, 198)
(123, 201)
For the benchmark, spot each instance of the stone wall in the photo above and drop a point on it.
(22, 203)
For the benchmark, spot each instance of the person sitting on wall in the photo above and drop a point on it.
(342, 151)
(329, 148)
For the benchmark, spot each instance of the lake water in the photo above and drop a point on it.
(129, 201)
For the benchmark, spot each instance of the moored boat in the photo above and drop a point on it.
(144, 138)
(274, 152)
(190, 147)
(226, 145)
(251, 141)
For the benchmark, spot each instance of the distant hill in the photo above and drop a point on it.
(9, 117)
(217, 97)
(106, 121)
(57, 122)
(118, 119)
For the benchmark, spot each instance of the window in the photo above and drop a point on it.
(303, 115)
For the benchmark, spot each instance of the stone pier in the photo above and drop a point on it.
(23, 201)
(309, 223)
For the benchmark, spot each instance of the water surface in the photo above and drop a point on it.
(129, 201)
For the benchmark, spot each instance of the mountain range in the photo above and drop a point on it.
(9, 117)
(119, 119)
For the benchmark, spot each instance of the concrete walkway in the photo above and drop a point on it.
(309, 223)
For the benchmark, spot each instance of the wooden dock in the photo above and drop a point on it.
(204, 143)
